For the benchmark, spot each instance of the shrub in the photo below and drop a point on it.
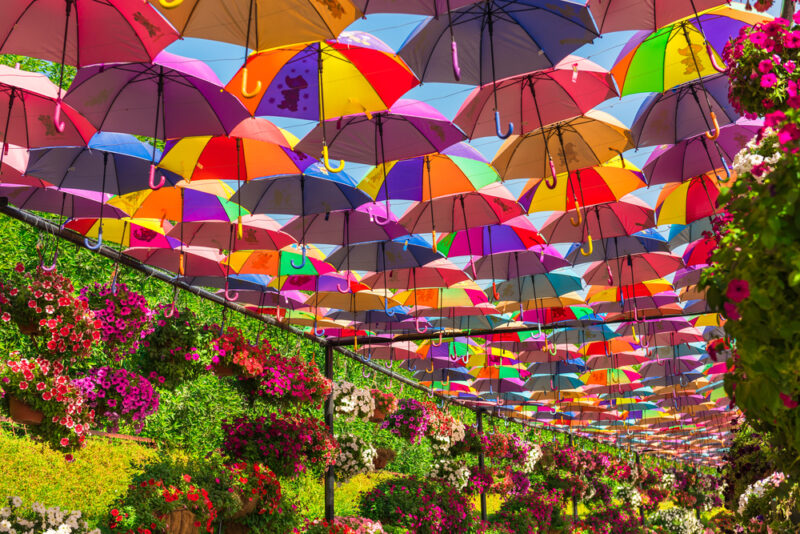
(36, 518)
(539, 510)
(676, 521)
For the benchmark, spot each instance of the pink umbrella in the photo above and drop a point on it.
(68, 203)
(257, 232)
(438, 273)
(669, 366)
(534, 100)
(399, 350)
(639, 303)
(12, 171)
(617, 360)
(626, 217)
(633, 268)
(187, 261)
(510, 265)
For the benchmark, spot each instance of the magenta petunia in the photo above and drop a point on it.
(738, 290)
(768, 80)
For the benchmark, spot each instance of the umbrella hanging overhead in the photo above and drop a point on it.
(12, 168)
(515, 234)
(68, 203)
(380, 256)
(535, 99)
(626, 217)
(633, 268)
(689, 201)
(345, 227)
(536, 287)
(432, 8)
(622, 15)
(180, 203)
(438, 273)
(585, 141)
(186, 261)
(258, 232)
(516, 264)
(614, 247)
(130, 233)
(275, 263)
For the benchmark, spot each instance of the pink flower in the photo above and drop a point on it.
(23, 385)
(768, 80)
(738, 290)
(731, 312)
(788, 401)
(765, 66)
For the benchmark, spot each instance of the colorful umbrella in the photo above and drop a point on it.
(515, 234)
(686, 202)
(626, 217)
(345, 227)
(67, 203)
(380, 256)
(438, 273)
(136, 233)
(186, 261)
(178, 203)
(259, 232)
(633, 268)
(275, 263)
(614, 247)
(622, 15)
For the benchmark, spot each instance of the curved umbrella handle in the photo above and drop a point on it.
(430, 369)
(182, 265)
(97, 245)
(714, 64)
(412, 369)
(57, 122)
(170, 311)
(302, 259)
(446, 384)
(439, 344)
(239, 227)
(591, 246)
(52, 266)
(715, 135)
(326, 160)
(433, 241)
(539, 328)
(389, 364)
(152, 176)
(345, 290)
(726, 167)
(245, 92)
(169, 4)
(495, 294)
(366, 374)
(454, 57)
(318, 333)
(621, 157)
(633, 333)
(552, 173)
(498, 130)
(553, 350)
(416, 326)
(580, 215)
(368, 357)
(114, 283)
(390, 313)
(378, 220)
(355, 342)
(228, 296)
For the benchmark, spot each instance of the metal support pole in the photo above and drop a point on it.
(639, 466)
(329, 474)
(481, 464)
(574, 499)
(788, 9)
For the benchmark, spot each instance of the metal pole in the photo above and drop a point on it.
(481, 464)
(639, 466)
(574, 498)
(787, 11)
(329, 474)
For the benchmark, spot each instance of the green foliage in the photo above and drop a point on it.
(50, 69)
(746, 462)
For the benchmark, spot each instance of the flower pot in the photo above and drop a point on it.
(23, 413)
(181, 522)
(234, 527)
(29, 329)
(384, 457)
(223, 370)
(377, 416)
(248, 507)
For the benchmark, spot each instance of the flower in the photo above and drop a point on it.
(768, 80)
(738, 290)
(731, 312)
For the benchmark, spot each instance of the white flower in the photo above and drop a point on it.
(630, 495)
(5, 525)
(758, 489)
(454, 472)
(351, 401)
(16, 501)
(678, 520)
(355, 456)
(534, 455)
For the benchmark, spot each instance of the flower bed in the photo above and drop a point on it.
(118, 395)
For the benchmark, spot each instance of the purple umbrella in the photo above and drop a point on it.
(346, 226)
(683, 112)
(699, 155)
(510, 265)
(171, 97)
(638, 303)
(70, 203)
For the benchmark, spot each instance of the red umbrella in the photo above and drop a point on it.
(188, 261)
(633, 268)
(257, 232)
(438, 273)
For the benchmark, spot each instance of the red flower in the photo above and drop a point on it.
(64, 442)
(23, 385)
(187, 478)
(114, 512)
(738, 290)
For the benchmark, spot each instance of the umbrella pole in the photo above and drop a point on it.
(453, 45)
(325, 156)
(469, 243)
(711, 113)
(4, 148)
(244, 90)
(430, 195)
(544, 137)
(498, 130)
(57, 122)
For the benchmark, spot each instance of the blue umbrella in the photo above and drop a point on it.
(113, 163)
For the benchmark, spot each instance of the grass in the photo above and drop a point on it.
(100, 473)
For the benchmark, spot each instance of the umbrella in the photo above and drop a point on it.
(678, 114)
(258, 232)
(12, 168)
(683, 203)
(358, 301)
(614, 247)
(417, 7)
(346, 226)
(136, 233)
(622, 15)
(672, 55)
(438, 273)
(536, 287)
(275, 263)
(515, 234)
(517, 264)
(380, 256)
(181, 203)
(536, 99)
(633, 268)
(186, 261)
(67, 203)
(699, 155)
(577, 143)
(699, 252)
(121, 160)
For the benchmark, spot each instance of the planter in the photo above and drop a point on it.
(377, 416)
(384, 457)
(29, 329)
(223, 370)
(248, 507)
(23, 413)
(181, 522)
(234, 527)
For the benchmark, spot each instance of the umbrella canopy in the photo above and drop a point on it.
(258, 232)
(136, 233)
(585, 141)
(67, 203)
(408, 129)
(533, 100)
(379, 256)
(536, 287)
(515, 234)
(361, 300)
(276, 263)
(689, 201)
(633, 268)
(614, 247)
(346, 226)
(12, 168)
(438, 273)
(355, 73)
(171, 97)
(684, 112)
(186, 261)
(259, 24)
(516, 264)
(626, 217)
(96, 32)
(699, 155)
(498, 39)
(416, 7)
(622, 15)
(177, 204)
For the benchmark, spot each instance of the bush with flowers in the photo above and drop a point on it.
(118, 396)
(356, 525)
(352, 402)
(171, 354)
(675, 520)
(355, 456)
(409, 421)
(453, 472)
(44, 386)
(471, 443)
(125, 318)
(421, 506)
(385, 403)
(322, 526)
(611, 520)
(537, 511)
(630, 495)
(480, 480)
(696, 490)
(757, 498)
(43, 303)
(16, 517)
(443, 429)
(287, 444)
(234, 354)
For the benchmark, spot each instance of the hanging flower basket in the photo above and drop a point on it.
(248, 507)
(29, 329)
(385, 403)
(377, 416)
(23, 413)
(222, 370)
(181, 522)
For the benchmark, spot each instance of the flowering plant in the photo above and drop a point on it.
(480, 480)
(443, 428)
(409, 421)
(629, 495)
(694, 489)
(118, 395)
(453, 472)
(255, 485)
(288, 445)
(357, 525)
(355, 456)
(321, 526)
(759, 489)
(384, 401)
(352, 401)
(43, 302)
(232, 349)
(36, 518)
(125, 318)
(538, 510)
(44, 386)
(170, 354)
(286, 379)
(676, 521)
(471, 443)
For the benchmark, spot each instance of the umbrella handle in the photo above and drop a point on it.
(621, 157)
(539, 328)
(454, 56)
(318, 333)
(447, 382)
(114, 282)
(552, 173)
(181, 266)
(591, 246)
(355, 342)
(345, 290)
(302, 259)
(366, 374)
(170, 4)
(439, 344)
(150, 182)
(498, 131)
(97, 245)
(170, 311)
(715, 135)
(326, 160)
(552, 350)
(633, 333)
(433, 241)
(495, 294)
(239, 227)
(610, 276)
(416, 326)
(376, 217)
(52, 266)
(430, 369)
(500, 402)
(368, 357)
(578, 210)
(390, 313)
(410, 369)
(228, 296)
(714, 64)
(59, 124)
(726, 167)
(245, 92)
